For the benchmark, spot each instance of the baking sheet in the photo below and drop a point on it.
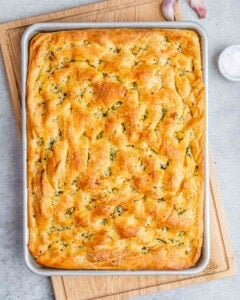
(48, 27)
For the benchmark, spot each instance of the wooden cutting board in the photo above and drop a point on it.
(222, 262)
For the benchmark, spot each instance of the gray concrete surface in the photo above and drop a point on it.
(222, 26)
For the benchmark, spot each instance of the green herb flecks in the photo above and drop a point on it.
(189, 151)
(70, 211)
(119, 210)
(145, 250)
(100, 135)
(164, 166)
(113, 154)
(164, 111)
(161, 241)
(104, 221)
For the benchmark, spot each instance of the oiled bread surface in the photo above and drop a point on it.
(115, 132)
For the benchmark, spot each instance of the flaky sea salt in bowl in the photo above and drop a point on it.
(229, 62)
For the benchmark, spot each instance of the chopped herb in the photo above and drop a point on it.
(124, 127)
(105, 114)
(168, 61)
(154, 62)
(161, 241)
(51, 144)
(108, 172)
(189, 151)
(52, 56)
(142, 166)
(55, 89)
(182, 72)
(165, 229)
(153, 151)
(113, 154)
(164, 111)
(179, 244)
(179, 48)
(116, 105)
(119, 210)
(40, 141)
(134, 84)
(59, 133)
(145, 115)
(180, 211)
(42, 105)
(87, 235)
(98, 114)
(60, 66)
(75, 184)
(164, 166)
(57, 193)
(181, 233)
(59, 229)
(61, 99)
(49, 70)
(161, 200)
(70, 211)
(100, 135)
(166, 39)
(145, 250)
(89, 156)
(180, 120)
(104, 221)
(90, 203)
(178, 136)
(117, 50)
(81, 93)
(176, 242)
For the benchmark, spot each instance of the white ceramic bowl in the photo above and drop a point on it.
(222, 61)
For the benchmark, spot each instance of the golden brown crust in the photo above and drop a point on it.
(115, 125)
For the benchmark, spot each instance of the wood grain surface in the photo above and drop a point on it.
(222, 262)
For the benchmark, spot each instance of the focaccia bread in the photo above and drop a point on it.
(116, 138)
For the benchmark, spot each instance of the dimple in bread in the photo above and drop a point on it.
(115, 134)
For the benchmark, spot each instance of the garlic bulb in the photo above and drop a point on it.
(200, 7)
(168, 9)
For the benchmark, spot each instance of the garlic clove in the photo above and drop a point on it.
(200, 7)
(168, 9)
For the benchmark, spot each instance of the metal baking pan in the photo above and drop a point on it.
(48, 27)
